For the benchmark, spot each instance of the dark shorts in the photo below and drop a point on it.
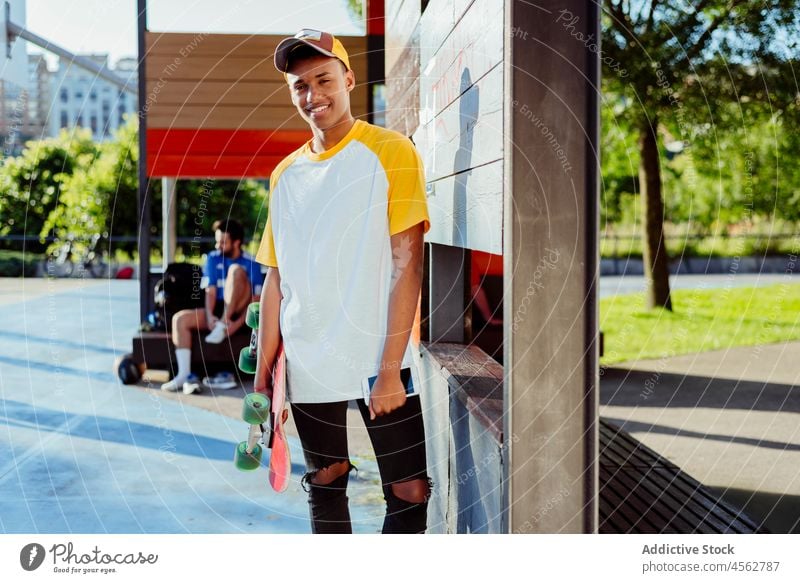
(398, 438)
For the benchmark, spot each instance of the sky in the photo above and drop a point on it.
(109, 26)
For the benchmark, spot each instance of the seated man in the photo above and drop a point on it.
(232, 279)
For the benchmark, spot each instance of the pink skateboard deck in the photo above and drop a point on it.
(280, 463)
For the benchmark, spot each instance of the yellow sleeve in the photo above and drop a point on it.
(266, 249)
(408, 205)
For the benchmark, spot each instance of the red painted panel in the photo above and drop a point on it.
(485, 264)
(375, 17)
(233, 167)
(185, 153)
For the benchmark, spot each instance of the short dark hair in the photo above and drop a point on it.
(301, 52)
(233, 227)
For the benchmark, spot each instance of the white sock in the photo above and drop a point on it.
(184, 358)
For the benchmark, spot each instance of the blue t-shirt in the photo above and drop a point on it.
(216, 270)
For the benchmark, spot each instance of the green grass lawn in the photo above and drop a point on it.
(702, 320)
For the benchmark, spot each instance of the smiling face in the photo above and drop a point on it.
(320, 89)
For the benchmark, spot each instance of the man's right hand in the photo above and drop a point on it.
(264, 388)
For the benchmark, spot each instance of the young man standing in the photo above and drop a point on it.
(344, 241)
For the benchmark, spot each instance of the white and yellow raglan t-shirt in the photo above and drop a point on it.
(331, 216)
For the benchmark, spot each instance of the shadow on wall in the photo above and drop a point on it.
(467, 116)
(478, 473)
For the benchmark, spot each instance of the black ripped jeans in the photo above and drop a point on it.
(398, 439)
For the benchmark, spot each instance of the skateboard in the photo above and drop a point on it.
(265, 416)
(247, 357)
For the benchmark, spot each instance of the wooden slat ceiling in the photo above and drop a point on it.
(216, 107)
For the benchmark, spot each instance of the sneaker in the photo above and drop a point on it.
(192, 385)
(218, 334)
(173, 385)
(221, 381)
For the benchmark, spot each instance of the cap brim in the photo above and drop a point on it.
(287, 45)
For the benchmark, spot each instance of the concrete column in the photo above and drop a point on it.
(550, 266)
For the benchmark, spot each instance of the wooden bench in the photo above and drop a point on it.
(642, 492)
(156, 351)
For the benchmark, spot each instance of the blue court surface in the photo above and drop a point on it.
(82, 453)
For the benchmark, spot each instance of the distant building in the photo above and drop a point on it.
(24, 110)
(40, 95)
(81, 99)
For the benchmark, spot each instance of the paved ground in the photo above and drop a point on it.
(79, 452)
(729, 418)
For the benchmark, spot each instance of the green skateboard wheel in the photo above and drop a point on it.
(247, 461)
(255, 409)
(247, 361)
(252, 315)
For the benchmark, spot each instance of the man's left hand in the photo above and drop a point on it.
(388, 394)
(232, 326)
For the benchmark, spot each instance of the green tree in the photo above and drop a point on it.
(679, 68)
(31, 183)
(201, 202)
(356, 9)
(620, 160)
(750, 181)
(99, 196)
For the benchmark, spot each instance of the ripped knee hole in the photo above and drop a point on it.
(328, 474)
(415, 491)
